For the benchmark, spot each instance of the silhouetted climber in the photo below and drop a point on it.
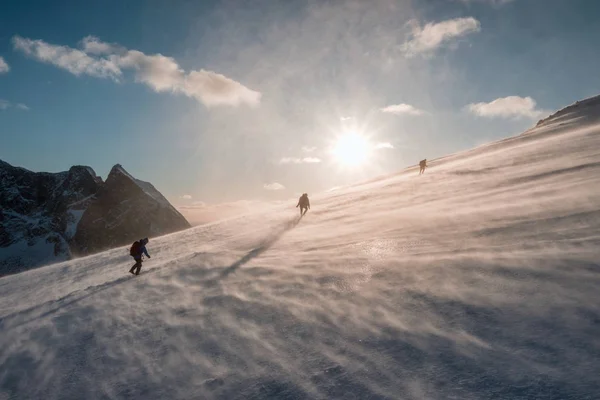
(304, 204)
(137, 249)
(422, 165)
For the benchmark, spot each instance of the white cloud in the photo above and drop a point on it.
(400, 109)
(75, 61)
(507, 107)
(5, 104)
(308, 149)
(311, 160)
(4, 68)
(290, 160)
(273, 186)
(157, 71)
(343, 119)
(93, 45)
(433, 35)
(186, 197)
(161, 73)
(298, 160)
(384, 145)
(212, 88)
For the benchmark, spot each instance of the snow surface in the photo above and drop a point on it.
(478, 280)
(581, 112)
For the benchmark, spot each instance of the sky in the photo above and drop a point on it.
(237, 100)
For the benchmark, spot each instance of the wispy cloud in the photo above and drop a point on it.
(492, 2)
(311, 160)
(4, 68)
(93, 45)
(5, 104)
(402, 109)
(384, 145)
(298, 160)
(75, 61)
(161, 73)
(428, 38)
(273, 186)
(290, 160)
(186, 197)
(308, 149)
(507, 107)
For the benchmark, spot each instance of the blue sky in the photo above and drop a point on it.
(219, 101)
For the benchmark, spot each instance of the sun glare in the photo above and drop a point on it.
(351, 149)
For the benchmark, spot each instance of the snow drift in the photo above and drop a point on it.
(477, 280)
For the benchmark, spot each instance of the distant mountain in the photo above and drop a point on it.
(126, 209)
(51, 217)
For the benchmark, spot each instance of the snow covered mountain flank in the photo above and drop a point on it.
(582, 112)
(41, 214)
(476, 280)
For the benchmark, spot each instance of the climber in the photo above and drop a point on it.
(422, 165)
(137, 250)
(304, 204)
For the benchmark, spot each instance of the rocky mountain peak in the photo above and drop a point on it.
(49, 217)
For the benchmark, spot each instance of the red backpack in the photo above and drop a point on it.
(135, 249)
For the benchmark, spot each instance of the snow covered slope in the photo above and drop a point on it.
(582, 112)
(477, 280)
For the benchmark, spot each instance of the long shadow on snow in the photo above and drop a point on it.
(266, 245)
(107, 285)
(90, 291)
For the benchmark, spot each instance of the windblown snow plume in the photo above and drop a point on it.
(476, 280)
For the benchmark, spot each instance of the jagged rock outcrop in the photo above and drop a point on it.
(41, 214)
(38, 214)
(126, 209)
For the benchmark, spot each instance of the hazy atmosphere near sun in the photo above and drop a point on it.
(152, 153)
(253, 101)
(476, 280)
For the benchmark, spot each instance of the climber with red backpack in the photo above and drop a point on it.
(137, 249)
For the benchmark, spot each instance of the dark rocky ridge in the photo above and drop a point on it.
(126, 209)
(50, 217)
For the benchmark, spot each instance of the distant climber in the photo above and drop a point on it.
(304, 204)
(137, 249)
(422, 166)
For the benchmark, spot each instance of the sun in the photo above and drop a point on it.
(351, 149)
